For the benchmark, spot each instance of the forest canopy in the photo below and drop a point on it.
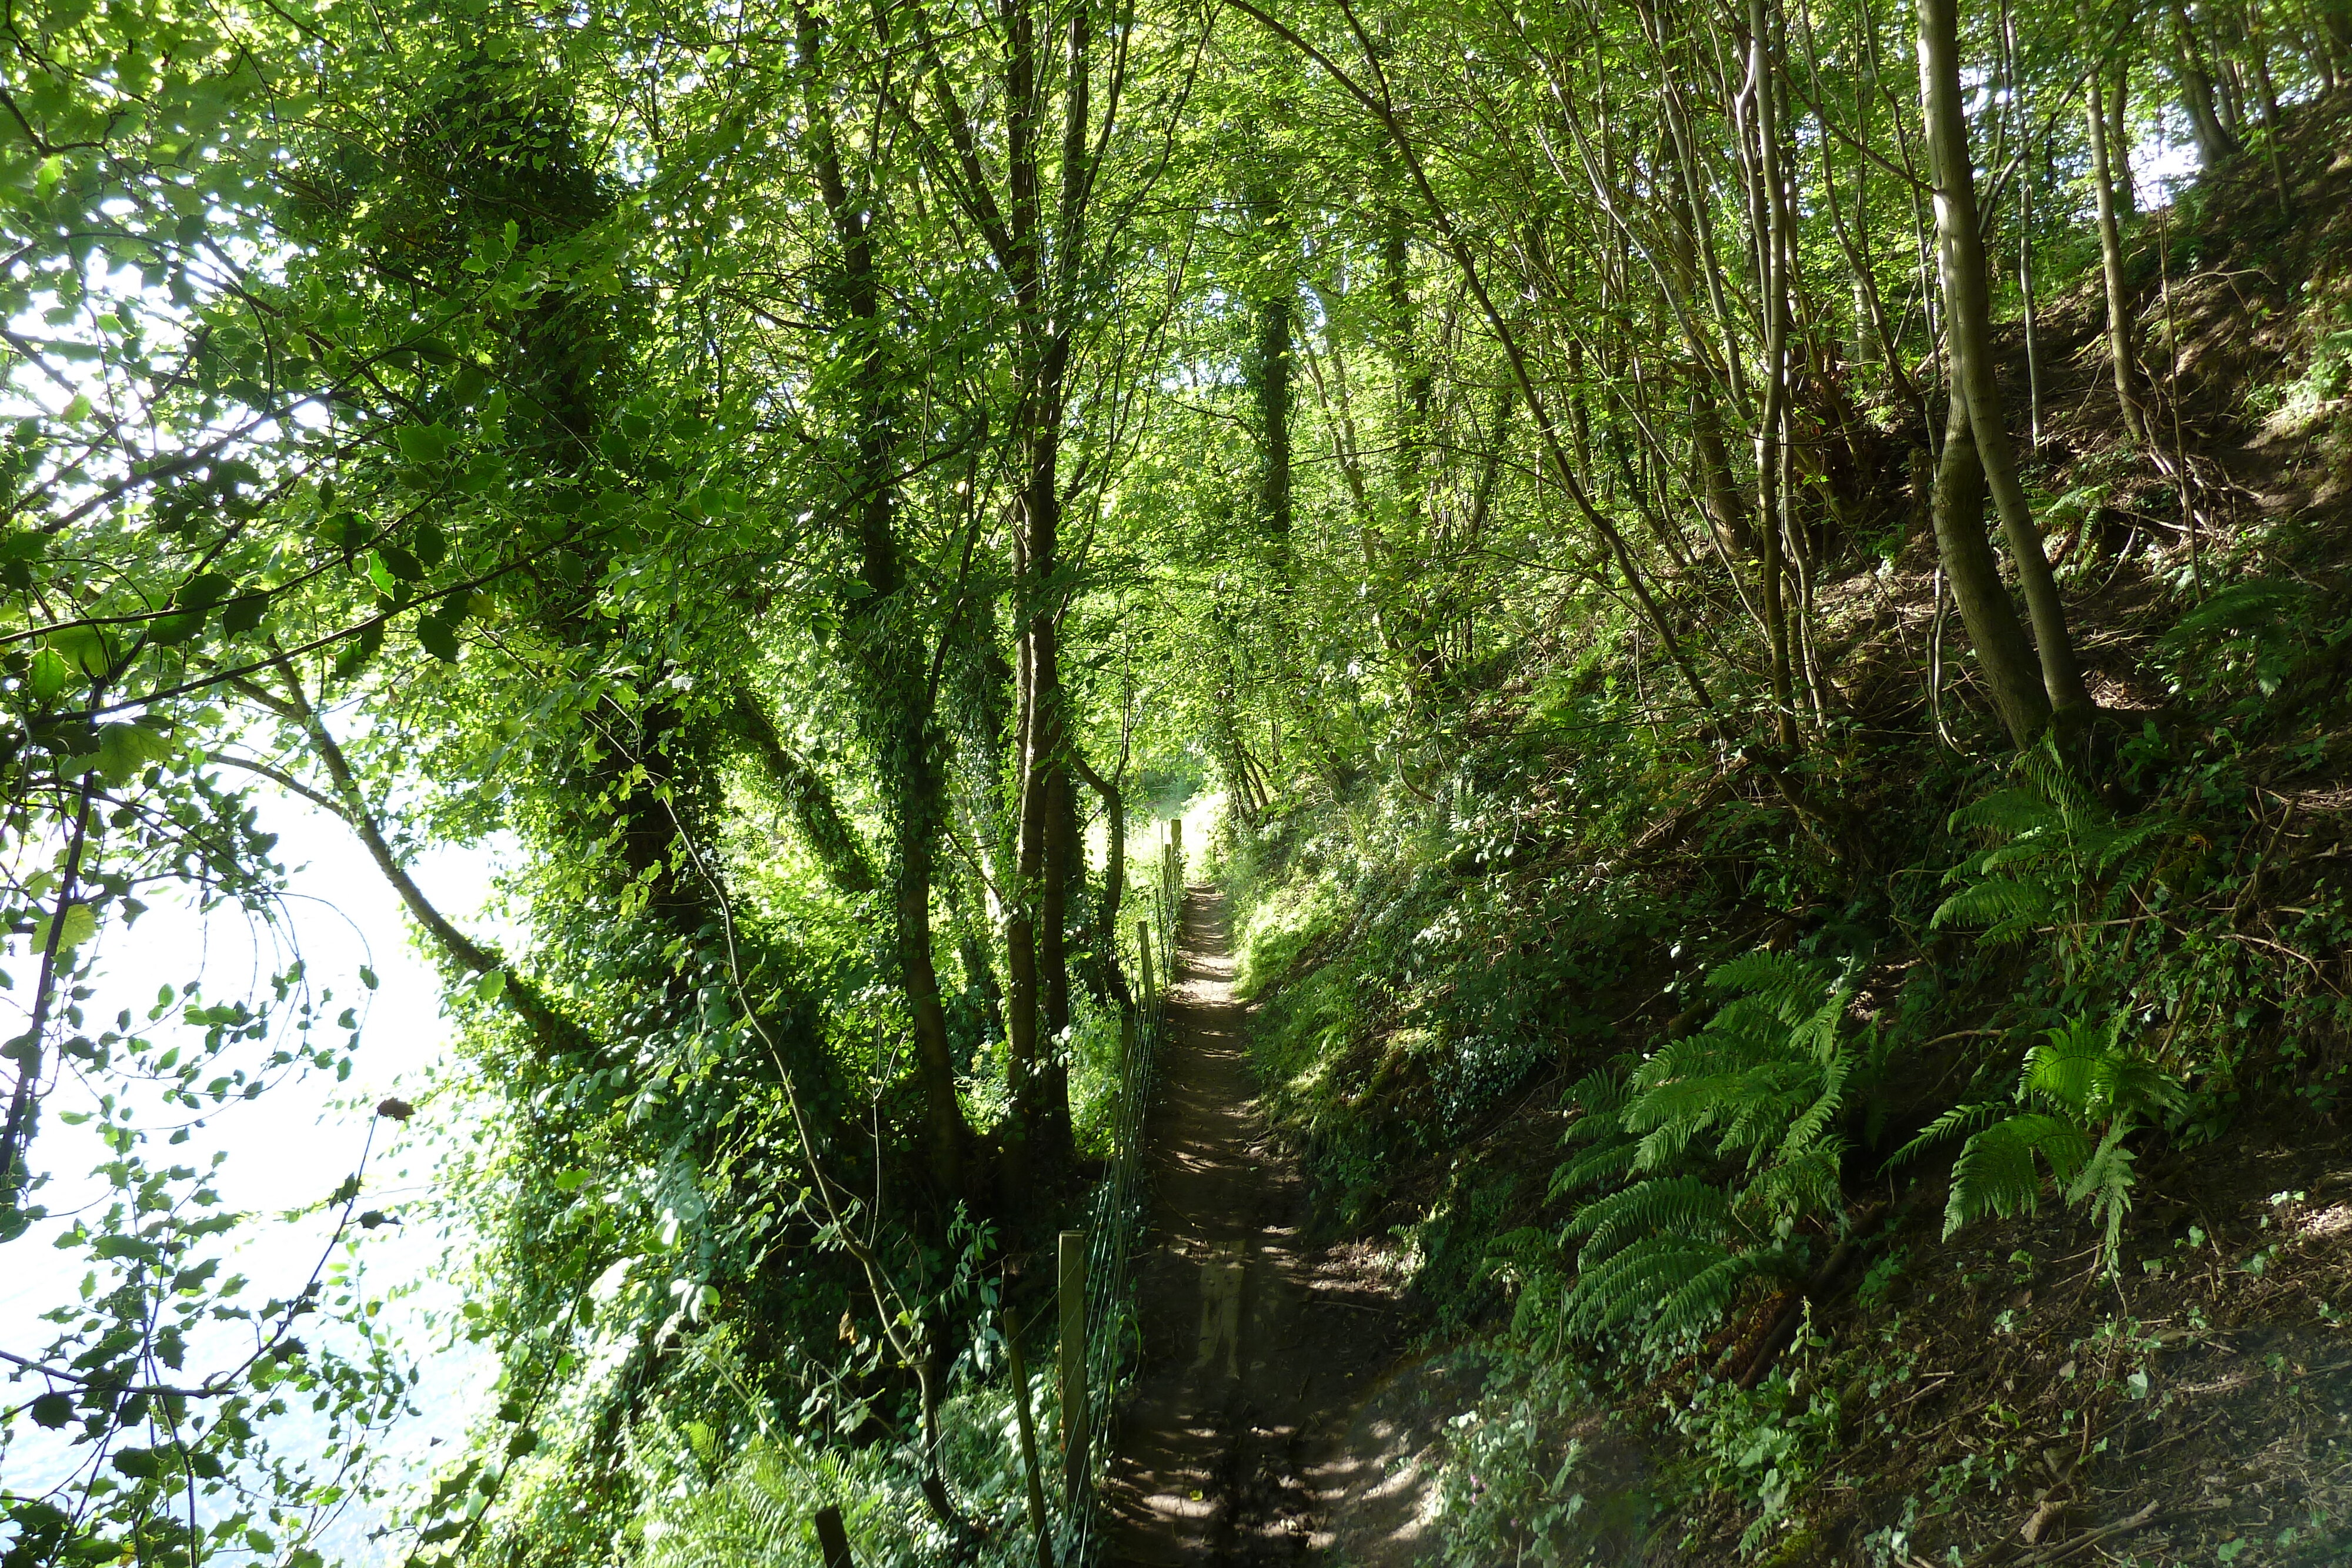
(818, 487)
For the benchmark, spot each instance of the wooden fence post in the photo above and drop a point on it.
(832, 1539)
(1028, 1441)
(1076, 1465)
(1143, 946)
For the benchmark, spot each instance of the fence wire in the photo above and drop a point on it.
(1119, 1210)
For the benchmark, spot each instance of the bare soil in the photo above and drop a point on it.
(1261, 1428)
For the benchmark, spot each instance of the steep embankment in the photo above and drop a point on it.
(2131, 1338)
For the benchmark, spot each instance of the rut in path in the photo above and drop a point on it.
(1254, 1434)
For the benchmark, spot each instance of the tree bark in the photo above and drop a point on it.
(895, 706)
(1968, 317)
(1114, 871)
(821, 827)
(1727, 511)
(2004, 652)
(2215, 145)
(2111, 263)
(1771, 430)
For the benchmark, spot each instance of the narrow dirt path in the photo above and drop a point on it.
(1254, 1434)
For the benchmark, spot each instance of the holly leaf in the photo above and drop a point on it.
(140, 1464)
(439, 638)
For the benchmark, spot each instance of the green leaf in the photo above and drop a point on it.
(360, 650)
(203, 590)
(81, 925)
(243, 615)
(124, 749)
(52, 1410)
(85, 646)
(432, 546)
(401, 563)
(140, 1464)
(48, 675)
(344, 530)
(424, 443)
(171, 631)
(439, 639)
(490, 986)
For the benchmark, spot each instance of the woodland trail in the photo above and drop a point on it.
(1257, 1432)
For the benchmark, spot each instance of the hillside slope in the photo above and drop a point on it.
(1761, 1303)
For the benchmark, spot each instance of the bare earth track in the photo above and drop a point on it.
(1257, 1431)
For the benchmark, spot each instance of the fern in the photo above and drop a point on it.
(2084, 1092)
(1997, 1171)
(2009, 910)
(1757, 1090)
(1611, 1159)
(2057, 859)
(1685, 1204)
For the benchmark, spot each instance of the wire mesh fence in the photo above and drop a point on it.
(1120, 1208)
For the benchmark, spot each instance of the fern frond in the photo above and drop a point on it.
(1697, 1304)
(2004, 813)
(2253, 606)
(2114, 850)
(1997, 1171)
(1785, 984)
(2107, 1178)
(1805, 1183)
(1601, 1094)
(1951, 1124)
(2000, 903)
(2054, 779)
(2072, 1066)
(1595, 1165)
(1808, 1124)
(1684, 1204)
(1638, 1279)
(1820, 1034)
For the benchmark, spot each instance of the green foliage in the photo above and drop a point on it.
(2060, 861)
(2248, 638)
(1281, 927)
(2083, 1090)
(1726, 1140)
(1531, 1472)
(1761, 1446)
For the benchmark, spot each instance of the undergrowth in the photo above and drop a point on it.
(1666, 1121)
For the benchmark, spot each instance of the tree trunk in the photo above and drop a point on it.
(1114, 871)
(1968, 315)
(2111, 263)
(1726, 512)
(822, 828)
(894, 704)
(1771, 428)
(2215, 145)
(2119, 146)
(2004, 652)
(1269, 370)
